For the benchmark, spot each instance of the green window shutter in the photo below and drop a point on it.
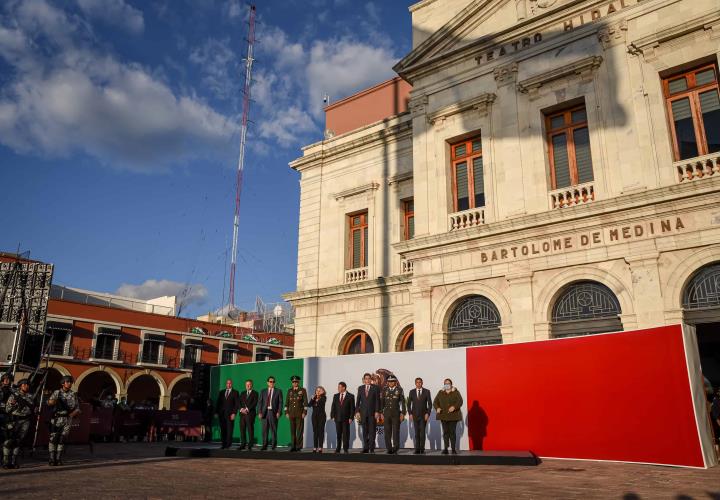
(581, 137)
(478, 182)
(561, 161)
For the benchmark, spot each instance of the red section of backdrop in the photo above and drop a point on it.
(623, 396)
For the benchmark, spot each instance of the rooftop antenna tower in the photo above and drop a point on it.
(241, 160)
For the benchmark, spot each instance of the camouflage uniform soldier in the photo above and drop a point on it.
(296, 406)
(5, 392)
(66, 407)
(19, 409)
(392, 402)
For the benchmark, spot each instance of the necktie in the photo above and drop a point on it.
(342, 398)
(367, 390)
(270, 399)
(227, 393)
(418, 393)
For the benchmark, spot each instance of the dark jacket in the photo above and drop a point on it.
(249, 401)
(345, 412)
(444, 400)
(276, 403)
(419, 407)
(367, 406)
(229, 405)
(318, 405)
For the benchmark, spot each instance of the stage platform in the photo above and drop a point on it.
(405, 456)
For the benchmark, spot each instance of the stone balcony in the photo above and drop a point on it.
(406, 266)
(571, 196)
(697, 168)
(355, 275)
(467, 218)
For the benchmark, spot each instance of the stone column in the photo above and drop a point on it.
(520, 294)
(647, 294)
(422, 318)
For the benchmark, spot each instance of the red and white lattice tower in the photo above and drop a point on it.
(241, 158)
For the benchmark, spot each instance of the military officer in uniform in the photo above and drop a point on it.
(5, 392)
(66, 407)
(296, 405)
(19, 409)
(392, 403)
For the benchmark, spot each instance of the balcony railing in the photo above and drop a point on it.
(355, 275)
(60, 349)
(698, 168)
(406, 266)
(572, 196)
(151, 358)
(467, 218)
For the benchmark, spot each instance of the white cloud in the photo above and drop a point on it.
(219, 67)
(72, 99)
(115, 12)
(151, 289)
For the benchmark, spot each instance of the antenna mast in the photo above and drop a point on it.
(241, 159)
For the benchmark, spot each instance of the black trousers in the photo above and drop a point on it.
(392, 431)
(269, 425)
(227, 427)
(448, 428)
(420, 429)
(368, 426)
(247, 429)
(318, 425)
(342, 431)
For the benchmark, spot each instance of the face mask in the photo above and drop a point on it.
(447, 387)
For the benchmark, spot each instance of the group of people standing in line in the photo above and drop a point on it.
(372, 406)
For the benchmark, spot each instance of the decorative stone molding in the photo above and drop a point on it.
(397, 179)
(372, 186)
(613, 34)
(481, 103)
(583, 69)
(505, 75)
(648, 45)
(418, 105)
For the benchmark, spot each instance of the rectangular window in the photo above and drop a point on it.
(357, 240)
(693, 104)
(568, 141)
(228, 356)
(263, 354)
(105, 346)
(191, 355)
(59, 338)
(409, 219)
(152, 349)
(467, 174)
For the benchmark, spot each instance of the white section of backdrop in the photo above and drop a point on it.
(432, 366)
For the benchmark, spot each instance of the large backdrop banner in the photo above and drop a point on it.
(629, 396)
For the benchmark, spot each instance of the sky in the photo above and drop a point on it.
(119, 135)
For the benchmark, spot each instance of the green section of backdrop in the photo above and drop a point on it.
(258, 372)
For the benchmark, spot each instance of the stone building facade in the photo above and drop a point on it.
(557, 173)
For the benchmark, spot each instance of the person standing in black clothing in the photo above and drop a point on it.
(419, 409)
(248, 411)
(226, 407)
(317, 403)
(341, 411)
(367, 411)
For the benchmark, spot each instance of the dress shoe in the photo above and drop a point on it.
(263, 448)
(241, 447)
(390, 452)
(320, 450)
(365, 450)
(337, 451)
(346, 452)
(273, 448)
(372, 451)
(445, 452)
(454, 452)
(416, 452)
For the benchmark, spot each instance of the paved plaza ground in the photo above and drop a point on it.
(139, 470)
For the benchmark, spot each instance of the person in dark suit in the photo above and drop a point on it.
(419, 409)
(248, 411)
(269, 409)
(226, 407)
(367, 411)
(341, 411)
(317, 403)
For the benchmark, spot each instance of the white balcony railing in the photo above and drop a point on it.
(406, 266)
(355, 275)
(701, 167)
(572, 196)
(467, 218)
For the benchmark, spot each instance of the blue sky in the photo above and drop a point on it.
(119, 134)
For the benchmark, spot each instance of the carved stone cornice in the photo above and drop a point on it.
(418, 105)
(372, 186)
(397, 179)
(584, 69)
(647, 45)
(481, 103)
(613, 34)
(505, 75)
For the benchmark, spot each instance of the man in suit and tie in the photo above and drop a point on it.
(226, 407)
(367, 411)
(342, 410)
(248, 411)
(419, 408)
(271, 404)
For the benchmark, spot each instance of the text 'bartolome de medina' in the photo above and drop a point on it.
(604, 236)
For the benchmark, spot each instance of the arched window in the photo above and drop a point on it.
(357, 342)
(701, 297)
(406, 341)
(585, 308)
(475, 321)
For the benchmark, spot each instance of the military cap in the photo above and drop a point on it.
(7, 375)
(392, 378)
(67, 378)
(23, 381)
(294, 378)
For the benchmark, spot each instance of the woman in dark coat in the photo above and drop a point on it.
(318, 418)
(447, 409)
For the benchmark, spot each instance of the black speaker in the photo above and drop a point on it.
(201, 383)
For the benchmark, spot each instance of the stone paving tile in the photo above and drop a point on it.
(140, 471)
